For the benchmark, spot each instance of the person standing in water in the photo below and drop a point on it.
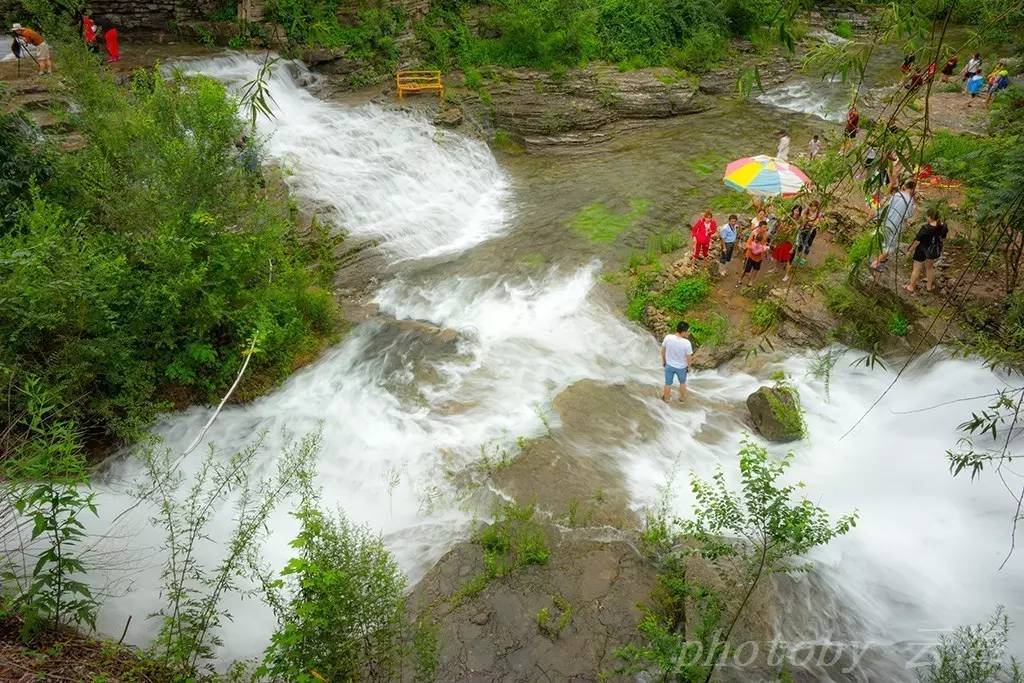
(676, 350)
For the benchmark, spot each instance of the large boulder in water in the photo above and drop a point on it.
(776, 413)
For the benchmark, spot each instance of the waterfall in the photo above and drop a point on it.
(459, 360)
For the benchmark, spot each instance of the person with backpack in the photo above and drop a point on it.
(899, 210)
(926, 250)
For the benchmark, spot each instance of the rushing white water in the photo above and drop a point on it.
(380, 174)
(827, 100)
(400, 403)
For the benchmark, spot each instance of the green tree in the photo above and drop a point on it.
(340, 604)
(764, 528)
(974, 654)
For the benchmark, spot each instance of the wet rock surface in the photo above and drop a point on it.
(497, 635)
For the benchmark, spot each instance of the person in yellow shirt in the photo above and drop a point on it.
(30, 37)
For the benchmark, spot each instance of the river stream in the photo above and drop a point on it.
(483, 248)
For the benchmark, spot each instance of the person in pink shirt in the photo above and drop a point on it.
(704, 228)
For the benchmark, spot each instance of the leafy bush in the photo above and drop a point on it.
(766, 314)
(148, 261)
(899, 326)
(974, 654)
(843, 28)
(686, 293)
(688, 34)
(514, 540)
(344, 616)
(710, 331)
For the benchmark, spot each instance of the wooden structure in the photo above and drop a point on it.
(418, 81)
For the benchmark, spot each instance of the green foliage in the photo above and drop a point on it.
(708, 331)
(193, 589)
(24, 161)
(730, 202)
(315, 22)
(550, 625)
(766, 314)
(685, 34)
(709, 163)
(842, 28)
(47, 483)
(514, 540)
(974, 654)
(147, 261)
(506, 143)
(599, 224)
(899, 326)
(747, 535)
(861, 321)
(686, 293)
(788, 413)
(343, 613)
(425, 652)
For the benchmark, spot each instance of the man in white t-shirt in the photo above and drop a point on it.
(676, 350)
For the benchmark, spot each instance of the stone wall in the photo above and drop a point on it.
(149, 14)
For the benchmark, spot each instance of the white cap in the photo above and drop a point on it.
(16, 27)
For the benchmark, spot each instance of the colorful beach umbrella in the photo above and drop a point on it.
(764, 175)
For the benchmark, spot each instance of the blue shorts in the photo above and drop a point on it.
(671, 372)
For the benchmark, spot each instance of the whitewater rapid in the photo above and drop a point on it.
(400, 404)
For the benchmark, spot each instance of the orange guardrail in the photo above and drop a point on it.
(418, 81)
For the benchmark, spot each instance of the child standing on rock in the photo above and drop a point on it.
(703, 230)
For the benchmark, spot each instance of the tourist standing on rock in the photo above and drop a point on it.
(110, 38)
(899, 210)
(949, 68)
(728, 233)
(852, 126)
(676, 350)
(808, 231)
(754, 251)
(814, 148)
(29, 37)
(926, 250)
(703, 230)
(782, 153)
(89, 33)
(973, 67)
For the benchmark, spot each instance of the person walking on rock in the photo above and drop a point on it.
(703, 230)
(754, 251)
(782, 153)
(29, 37)
(897, 213)
(676, 350)
(926, 250)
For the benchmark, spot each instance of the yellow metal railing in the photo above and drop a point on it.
(418, 81)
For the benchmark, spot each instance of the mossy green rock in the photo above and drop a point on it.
(776, 413)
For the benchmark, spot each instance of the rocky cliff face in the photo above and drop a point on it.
(156, 15)
(579, 106)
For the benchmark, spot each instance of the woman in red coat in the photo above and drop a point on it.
(703, 230)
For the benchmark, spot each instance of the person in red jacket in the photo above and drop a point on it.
(89, 33)
(113, 46)
(703, 230)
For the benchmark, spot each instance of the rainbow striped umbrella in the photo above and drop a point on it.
(764, 175)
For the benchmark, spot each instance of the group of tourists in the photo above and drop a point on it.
(763, 238)
(30, 42)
